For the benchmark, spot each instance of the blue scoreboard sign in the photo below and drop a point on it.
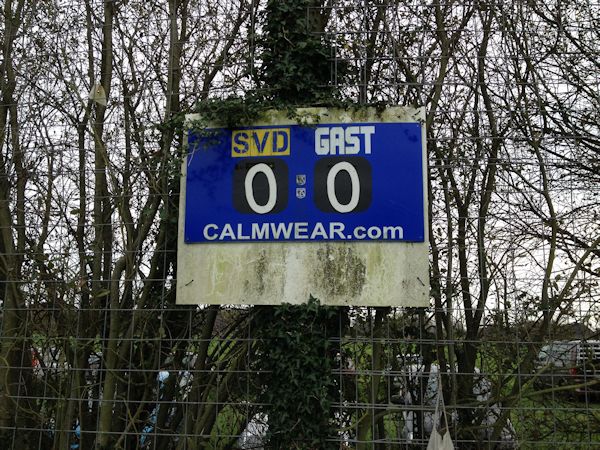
(328, 182)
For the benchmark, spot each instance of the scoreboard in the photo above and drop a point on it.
(328, 182)
(332, 206)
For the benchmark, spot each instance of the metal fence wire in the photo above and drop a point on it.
(96, 354)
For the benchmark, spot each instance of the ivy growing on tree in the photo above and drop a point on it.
(293, 351)
(296, 58)
(295, 361)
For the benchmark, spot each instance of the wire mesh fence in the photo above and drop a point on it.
(96, 354)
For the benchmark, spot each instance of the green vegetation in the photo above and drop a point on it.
(294, 358)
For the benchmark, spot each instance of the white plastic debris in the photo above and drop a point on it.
(436, 440)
